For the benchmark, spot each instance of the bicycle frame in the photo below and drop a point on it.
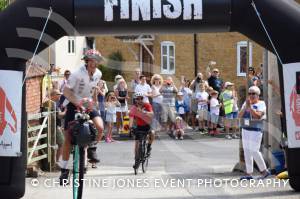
(140, 154)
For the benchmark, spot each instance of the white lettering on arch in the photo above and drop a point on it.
(177, 9)
(156, 9)
(187, 9)
(124, 9)
(108, 9)
(144, 7)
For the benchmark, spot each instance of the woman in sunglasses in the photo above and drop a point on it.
(253, 113)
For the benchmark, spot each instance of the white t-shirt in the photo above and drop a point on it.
(181, 110)
(214, 106)
(155, 91)
(81, 84)
(143, 89)
(259, 106)
(202, 96)
(111, 108)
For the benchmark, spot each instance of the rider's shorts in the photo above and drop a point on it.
(140, 131)
(71, 111)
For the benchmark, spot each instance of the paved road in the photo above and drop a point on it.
(197, 167)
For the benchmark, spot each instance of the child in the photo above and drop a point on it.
(179, 126)
(214, 112)
(111, 112)
(227, 100)
(202, 99)
(180, 105)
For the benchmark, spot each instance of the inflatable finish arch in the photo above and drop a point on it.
(119, 17)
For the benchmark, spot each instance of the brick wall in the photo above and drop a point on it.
(219, 47)
(33, 94)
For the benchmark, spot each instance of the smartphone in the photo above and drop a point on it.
(298, 82)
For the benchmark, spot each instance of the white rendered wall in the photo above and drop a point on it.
(67, 61)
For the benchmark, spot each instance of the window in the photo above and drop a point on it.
(71, 45)
(242, 57)
(167, 57)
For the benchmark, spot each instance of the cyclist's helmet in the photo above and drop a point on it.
(93, 54)
(138, 94)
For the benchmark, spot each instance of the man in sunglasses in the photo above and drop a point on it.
(141, 114)
(215, 81)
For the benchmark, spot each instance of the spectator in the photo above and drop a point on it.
(214, 112)
(253, 112)
(156, 82)
(227, 101)
(179, 128)
(121, 92)
(111, 109)
(56, 116)
(215, 81)
(136, 80)
(102, 90)
(168, 91)
(187, 94)
(195, 89)
(62, 85)
(202, 99)
(180, 105)
(144, 88)
(252, 78)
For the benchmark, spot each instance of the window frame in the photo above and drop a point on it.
(71, 46)
(167, 44)
(238, 66)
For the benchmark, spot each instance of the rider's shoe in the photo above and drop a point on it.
(92, 155)
(63, 178)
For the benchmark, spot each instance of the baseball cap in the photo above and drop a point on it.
(180, 93)
(215, 70)
(228, 84)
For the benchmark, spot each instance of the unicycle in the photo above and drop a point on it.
(78, 171)
(83, 133)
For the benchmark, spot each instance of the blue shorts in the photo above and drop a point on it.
(234, 115)
(71, 111)
(229, 116)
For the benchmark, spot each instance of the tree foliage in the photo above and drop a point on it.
(113, 66)
(3, 4)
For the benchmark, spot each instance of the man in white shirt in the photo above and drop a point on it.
(144, 88)
(82, 84)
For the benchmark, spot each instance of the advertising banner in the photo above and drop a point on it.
(10, 112)
(291, 75)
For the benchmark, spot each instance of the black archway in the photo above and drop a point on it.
(119, 17)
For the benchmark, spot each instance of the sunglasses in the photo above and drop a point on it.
(215, 72)
(251, 93)
(139, 98)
